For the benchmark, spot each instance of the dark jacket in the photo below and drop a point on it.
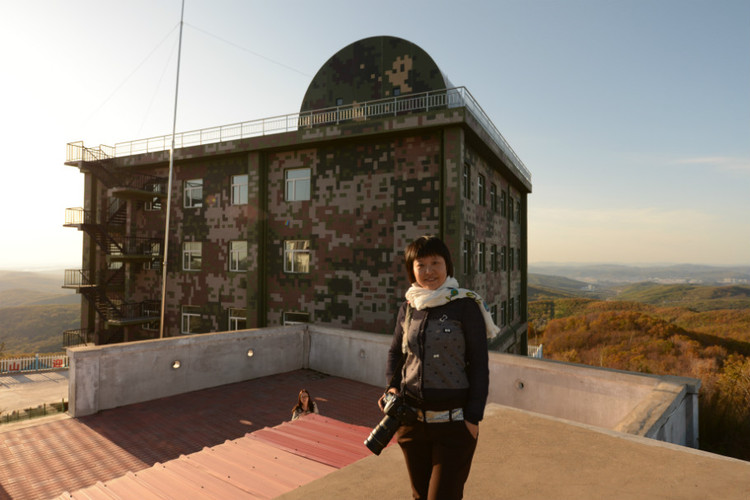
(447, 363)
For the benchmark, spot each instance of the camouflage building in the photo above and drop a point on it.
(304, 217)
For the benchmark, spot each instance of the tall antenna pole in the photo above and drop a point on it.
(169, 185)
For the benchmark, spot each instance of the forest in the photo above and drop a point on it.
(687, 330)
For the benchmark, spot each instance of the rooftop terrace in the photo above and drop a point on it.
(520, 454)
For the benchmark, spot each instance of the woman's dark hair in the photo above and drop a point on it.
(426, 246)
(310, 402)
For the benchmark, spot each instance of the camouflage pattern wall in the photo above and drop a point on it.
(370, 69)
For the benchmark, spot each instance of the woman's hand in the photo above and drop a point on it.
(381, 402)
(473, 428)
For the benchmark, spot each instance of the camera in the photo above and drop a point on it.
(397, 413)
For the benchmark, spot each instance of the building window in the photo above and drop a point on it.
(503, 210)
(511, 310)
(193, 191)
(518, 259)
(191, 320)
(296, 318)
(237, 319)
(339, 101)
(518, 211)
(155, 262)
(503, 259)
(518, 301)
(152, 309)
(512, 258)
(493, 313)
(239, 189)
(191, 255)
(503, 314)
(467, 257)
(480, 257)
(467, 182)
(480, 189)
(297, 256)
(510, 208)
(155, 203)
(493, 197)
(297, 184)
(238, 255)
(493, 258)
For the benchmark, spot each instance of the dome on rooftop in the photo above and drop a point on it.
(373, 68)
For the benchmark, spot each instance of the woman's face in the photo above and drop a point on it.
(430, 271)
(304, 398)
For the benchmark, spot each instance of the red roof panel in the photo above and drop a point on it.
(261, 465)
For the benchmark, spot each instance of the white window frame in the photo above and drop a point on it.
(237, 316)
(189, 315)
(297, 256)
(294, 187)
(240, 189)
(480, 189)
(480, 257)
(193, 193)
(192, 255)
(238, 259)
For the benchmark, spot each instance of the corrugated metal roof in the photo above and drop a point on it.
(264, 464)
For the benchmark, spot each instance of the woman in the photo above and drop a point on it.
(438, 362)
(305, 405)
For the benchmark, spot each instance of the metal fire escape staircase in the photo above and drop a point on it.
(103, 289)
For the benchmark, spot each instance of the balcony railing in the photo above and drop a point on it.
(426, 101)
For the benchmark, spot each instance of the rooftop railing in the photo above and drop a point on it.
(393, 106)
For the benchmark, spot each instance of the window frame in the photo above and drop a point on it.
(285, 321)
(467, 181)
(188, 314)
(480, 257)
(240, 189)
(467, 267)
(290, 254)
(191, 255)
(480, 190)
(235, 316)
(290, 194)
(235, 260)
(493, 197)
(187, 192)
(503, 203)
(493, 258)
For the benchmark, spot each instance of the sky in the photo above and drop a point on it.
(633, 116)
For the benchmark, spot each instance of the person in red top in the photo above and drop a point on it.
(438, 362)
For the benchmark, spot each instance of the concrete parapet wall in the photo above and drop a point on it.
(102, 377)
(109, 376)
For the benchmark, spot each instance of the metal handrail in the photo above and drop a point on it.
(451, 98)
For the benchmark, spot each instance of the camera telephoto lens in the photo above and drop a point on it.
(382, 434)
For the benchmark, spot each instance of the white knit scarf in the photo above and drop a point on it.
(422, 298)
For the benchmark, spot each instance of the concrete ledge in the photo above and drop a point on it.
(103, 377)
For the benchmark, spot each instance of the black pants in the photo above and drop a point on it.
(438, 457)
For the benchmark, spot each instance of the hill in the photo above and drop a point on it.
(701, 298)
(36, 329)
(48, 281)
(615, 274)
(22, 297)
(544, 286)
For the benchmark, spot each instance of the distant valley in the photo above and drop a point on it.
(34, 311)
